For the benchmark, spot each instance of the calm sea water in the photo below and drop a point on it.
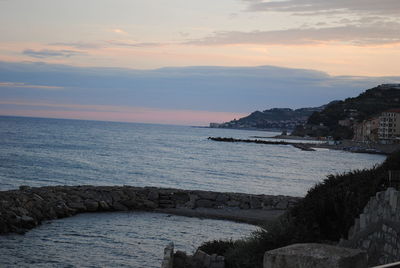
(40, 152)
(133, 239)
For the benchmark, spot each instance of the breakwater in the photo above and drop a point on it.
(301, 146)
(27, 207)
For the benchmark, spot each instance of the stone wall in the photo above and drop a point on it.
(200, 259)
(314, 256)
(377, 230)
(27, 207)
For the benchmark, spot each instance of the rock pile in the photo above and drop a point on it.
(27, 207)
(200, 259)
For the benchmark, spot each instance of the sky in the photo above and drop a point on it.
(190, 62)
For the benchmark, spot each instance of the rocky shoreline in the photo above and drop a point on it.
(28, 207)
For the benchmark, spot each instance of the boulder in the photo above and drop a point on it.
(222, 198)
(91, 205)
(130, 203)
(103, 205)
(180, 197)
(79, 206)
(149, 204)
(153, 195)
(119, 207)
(166, 203)
(255, 203)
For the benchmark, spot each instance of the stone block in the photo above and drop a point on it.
(168, 259)
(163, 203)
(366, 244)
(314, 256)
(181, 197)
(222, 198)
(119, 207)
(393, 200)
(244, 205)
(103, 205)
(149, 204)
(199, 255)
(77, 206)
(282, 204)
(153, 195)
(24, 188)
(130, 203)
(192, 201)
(255, 203)
(208, 195)
(91, 205)
(363, 221)
(181, 260)
(207, 261)
(204, 203)
(233, 203)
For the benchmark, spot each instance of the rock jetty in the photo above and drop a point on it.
(301, 146)
(27, 207)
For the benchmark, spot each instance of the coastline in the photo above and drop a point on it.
(28, 207)
(347, 145)
(344, 145)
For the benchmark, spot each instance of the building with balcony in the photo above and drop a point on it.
(389, 126)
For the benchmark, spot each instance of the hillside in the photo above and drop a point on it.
(368, 104)
(276, 118)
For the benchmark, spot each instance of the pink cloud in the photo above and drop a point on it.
(115, 113)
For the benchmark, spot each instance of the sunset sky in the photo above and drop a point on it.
(190, 62)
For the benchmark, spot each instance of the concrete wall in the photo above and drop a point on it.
(377, 230)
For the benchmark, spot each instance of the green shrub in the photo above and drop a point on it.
(325, 214)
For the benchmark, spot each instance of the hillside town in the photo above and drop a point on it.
(371, 118)
(272, 119)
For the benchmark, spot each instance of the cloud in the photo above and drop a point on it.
(359, 33)
(101, 44)
(316, 7)
(127, 43)
(119, 31)
(25, 85)
(216, 89)
(79, 45)
(48, 53)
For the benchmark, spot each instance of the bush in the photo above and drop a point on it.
(325, 214)
(219, 247)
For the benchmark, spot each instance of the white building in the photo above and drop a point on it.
(389, 126)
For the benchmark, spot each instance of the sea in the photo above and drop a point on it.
(40, 152)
